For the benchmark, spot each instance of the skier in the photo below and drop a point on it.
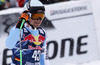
(33, 37)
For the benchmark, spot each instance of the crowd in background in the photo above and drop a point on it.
(4, 4)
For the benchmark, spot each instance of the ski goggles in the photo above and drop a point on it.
(36, 16)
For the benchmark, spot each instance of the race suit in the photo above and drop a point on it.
(33, 45)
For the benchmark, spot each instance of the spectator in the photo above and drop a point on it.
(10, 3)
(2, 4)
(21, 3)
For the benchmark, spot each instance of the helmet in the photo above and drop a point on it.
(33, 5)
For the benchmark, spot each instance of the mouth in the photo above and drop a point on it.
(37, 23)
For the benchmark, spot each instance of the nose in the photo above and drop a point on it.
(39, 18)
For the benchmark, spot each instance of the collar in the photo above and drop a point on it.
(27, 25)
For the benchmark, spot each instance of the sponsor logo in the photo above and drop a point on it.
(37, 47)
(35, 39)
(68, 10)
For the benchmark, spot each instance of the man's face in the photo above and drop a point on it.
(36, 19)
(35, 23)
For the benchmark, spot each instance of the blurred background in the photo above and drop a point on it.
(4, 4)
(73, 29)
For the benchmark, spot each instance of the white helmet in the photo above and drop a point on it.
(33, 5)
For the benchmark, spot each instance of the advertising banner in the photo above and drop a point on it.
(73, 39)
